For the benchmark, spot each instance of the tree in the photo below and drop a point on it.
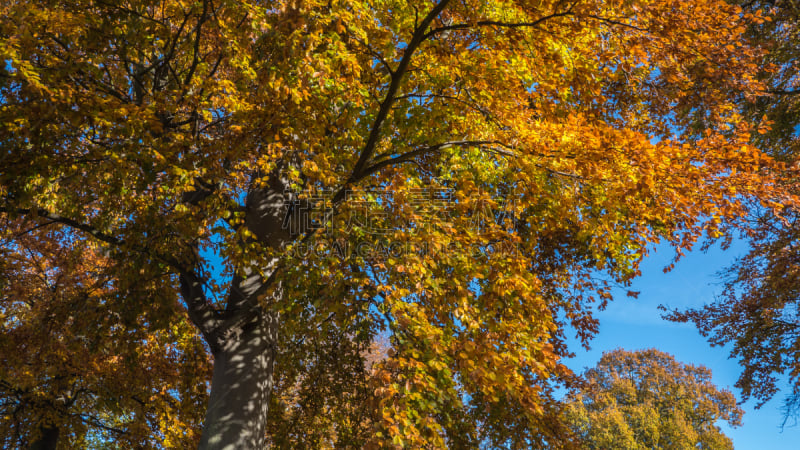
(76, 371)
(645, 399)
(757, 309)
(466, 178)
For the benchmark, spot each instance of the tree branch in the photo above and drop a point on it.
(497, 23)
(196, 54)
(53, 217)
(784, 92)
(405, 157)
(396, 79)
(202, 314)
(200, 311)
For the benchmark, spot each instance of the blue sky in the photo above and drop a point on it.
(636, 324)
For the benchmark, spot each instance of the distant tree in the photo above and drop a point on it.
(648, 400)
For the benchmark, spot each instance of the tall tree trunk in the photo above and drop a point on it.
(243, 338)
(236, 417)
(48, 438)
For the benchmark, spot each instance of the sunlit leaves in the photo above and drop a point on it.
(485, 181)
(646, 399)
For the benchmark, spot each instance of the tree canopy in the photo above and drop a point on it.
(757, 312)
(467, 179)
(77, 367)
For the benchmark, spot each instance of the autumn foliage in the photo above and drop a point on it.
(645, 399)
(516, 158)
(756, 312)
(79, 365)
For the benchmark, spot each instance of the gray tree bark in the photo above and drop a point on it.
(244, 337)
(236, 417)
